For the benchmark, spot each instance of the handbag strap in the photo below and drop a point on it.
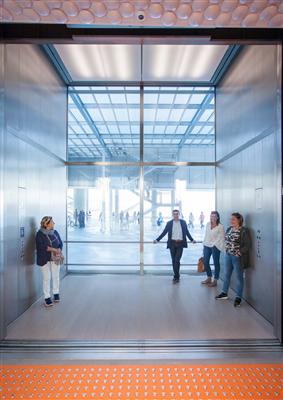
(49, 240)
(51, 243)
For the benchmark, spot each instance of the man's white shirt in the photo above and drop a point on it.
(177, 233)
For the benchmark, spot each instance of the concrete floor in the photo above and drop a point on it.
(117, 307)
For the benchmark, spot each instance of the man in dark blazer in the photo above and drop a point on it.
(177, 231)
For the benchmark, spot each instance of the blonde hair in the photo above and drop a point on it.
(45, 221)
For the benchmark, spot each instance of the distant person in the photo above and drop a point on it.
(237, 243)
(213, 244)
(160, 220)
(101, 221)
(138, 217)
(201, 220)
(135, 217)
(76, 214)
(121, 217)
(191, 220)
(127, 217)
(49, 256)
(81, 219)
(177, 231)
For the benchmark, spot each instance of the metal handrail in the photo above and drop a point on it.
(119, 241)
(128, 265)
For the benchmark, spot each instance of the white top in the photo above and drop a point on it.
(177, 233)
(214, 237)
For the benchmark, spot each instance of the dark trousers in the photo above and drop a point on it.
(176, 251)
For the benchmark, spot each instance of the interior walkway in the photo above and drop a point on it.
(124, 307)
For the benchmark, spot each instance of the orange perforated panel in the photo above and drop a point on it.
(143, 382)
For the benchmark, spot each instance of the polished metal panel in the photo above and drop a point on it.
(2, 322)
(141, 186)
(278, 314)
(34, 169)
(248, 178)
(245, 102)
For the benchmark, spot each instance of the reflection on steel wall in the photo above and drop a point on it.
(34, 171)
(1, 190)
(248, 135)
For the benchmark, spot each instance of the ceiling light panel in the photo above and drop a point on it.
(181, 63)
(101, 62)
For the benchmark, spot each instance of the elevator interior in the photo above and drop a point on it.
(235, 162)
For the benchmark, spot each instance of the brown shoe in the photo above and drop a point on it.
(213, 283)
(206, 281)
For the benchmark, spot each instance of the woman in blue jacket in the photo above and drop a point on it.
(49, 247)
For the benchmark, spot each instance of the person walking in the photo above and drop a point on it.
(191, 220)
(177, 232)
(121, 216)
(201, 220)
(237, 243)
(159, 221)
(81, 219)
(127, 217)
(76, 215)
(213, 244)
(49, 252)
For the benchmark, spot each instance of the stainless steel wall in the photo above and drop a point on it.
(2, 330)
(248, 176)
(35, 104)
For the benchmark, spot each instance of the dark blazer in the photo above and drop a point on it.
(245, 246)
(169, 228)
(42, 242)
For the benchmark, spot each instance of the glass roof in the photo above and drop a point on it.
(104, 123)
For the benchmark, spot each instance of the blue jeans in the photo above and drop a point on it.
(207, 252)
(233, 263)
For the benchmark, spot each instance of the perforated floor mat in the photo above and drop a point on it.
(143, 382)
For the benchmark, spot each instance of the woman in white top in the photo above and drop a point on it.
(213, 244)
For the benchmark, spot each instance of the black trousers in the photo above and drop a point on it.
(176, 251)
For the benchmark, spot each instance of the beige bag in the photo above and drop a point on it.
(200, 265)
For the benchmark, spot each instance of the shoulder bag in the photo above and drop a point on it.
(58, 257)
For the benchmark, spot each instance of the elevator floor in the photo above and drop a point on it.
(125, 307)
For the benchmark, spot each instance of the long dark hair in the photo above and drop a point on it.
(239, 217)
(217, 216)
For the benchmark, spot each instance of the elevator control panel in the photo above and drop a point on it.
(258, 243)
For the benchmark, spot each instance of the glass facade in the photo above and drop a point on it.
(178, 124)
(104, 123)
(135, 153)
